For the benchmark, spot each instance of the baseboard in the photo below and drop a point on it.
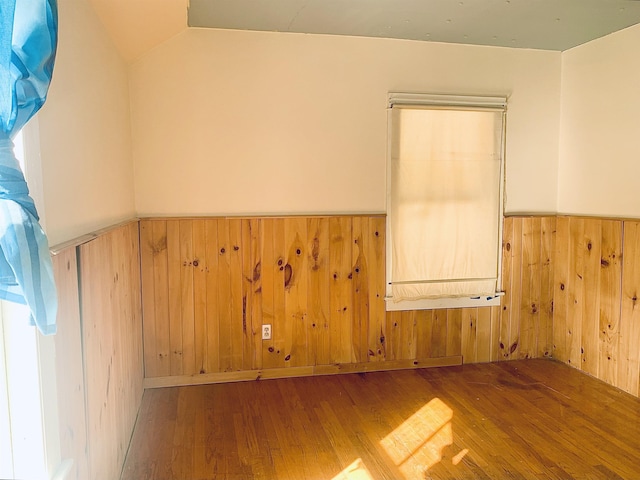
(309, 371)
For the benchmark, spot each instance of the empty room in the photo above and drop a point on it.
(320, 240)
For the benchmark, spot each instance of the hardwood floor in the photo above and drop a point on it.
(523, 419)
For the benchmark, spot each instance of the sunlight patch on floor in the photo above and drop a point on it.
(458, 458)
(417, 444)
(356, 471)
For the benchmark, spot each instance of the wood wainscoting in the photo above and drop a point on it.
(98, 349)
(209, 284)
(597, 315)
(571, 292)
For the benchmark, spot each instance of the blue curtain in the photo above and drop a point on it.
(28, 39)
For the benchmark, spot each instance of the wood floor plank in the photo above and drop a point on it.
(525, 419)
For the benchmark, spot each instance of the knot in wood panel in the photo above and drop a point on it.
(288, 273)
(159, 246)
(315, 253)
(256, 271)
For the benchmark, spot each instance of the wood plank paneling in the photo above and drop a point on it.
(531, 287)
(360, 289)
(279, 330)
(69, 369)
(375, 255)
(175, 279)
(508, 242)
(496, 351)
(200, 296)
(392, 340)
(591, 303)
(568, 295)
(454, 332)
(225, 345)
(469, 334)
(484, 340)
(561, 292)
(523, 325)
(237, 307)
(320, 282)
(295, 286)
(424, 332)
(187, 312)
(547, 285)
(212, 319)
(341, 303)
(516, 288)
(318, 299)
(610, 296)
(595, 322)
(112, 345)
(438, 333)
(147, 253)
(161, 299)
(629, 356)
(269, 264)
(576, 291)
(249, 330)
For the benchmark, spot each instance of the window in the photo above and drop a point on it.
(444, 200)
(29, 430)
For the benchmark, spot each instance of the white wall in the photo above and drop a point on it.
(599, 167)
(230, 122)
(85, 134)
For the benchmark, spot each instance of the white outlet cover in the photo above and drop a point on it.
(266, 332)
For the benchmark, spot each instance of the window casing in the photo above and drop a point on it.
(444, 200)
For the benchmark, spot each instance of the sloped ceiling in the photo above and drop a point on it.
(137, 26)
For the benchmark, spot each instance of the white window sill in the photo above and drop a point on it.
(441, 303)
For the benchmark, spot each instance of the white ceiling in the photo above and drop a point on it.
(138, 25)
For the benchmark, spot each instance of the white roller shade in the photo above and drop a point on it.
(445, 200)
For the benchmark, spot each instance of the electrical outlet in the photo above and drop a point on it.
(266, 332)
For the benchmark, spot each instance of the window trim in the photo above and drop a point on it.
(446, 102)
